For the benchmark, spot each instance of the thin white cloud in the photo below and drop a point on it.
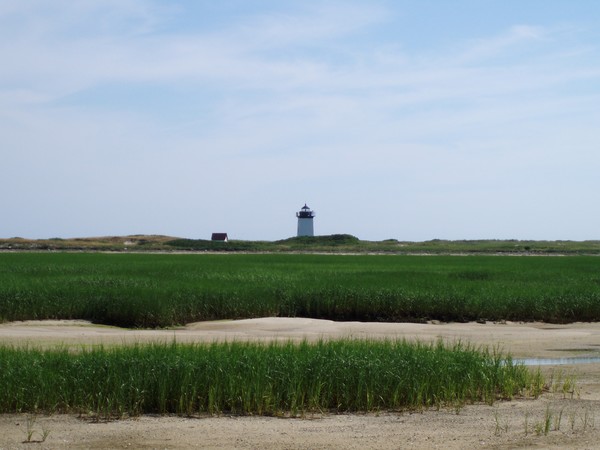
(45, 56)
(517, 36)
(314, 24)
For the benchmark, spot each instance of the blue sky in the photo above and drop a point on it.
(411, 120)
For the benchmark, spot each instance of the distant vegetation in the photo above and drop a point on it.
(333, 243)
(336, 243)
(161, 290)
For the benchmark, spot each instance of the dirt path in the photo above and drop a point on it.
(554, 421)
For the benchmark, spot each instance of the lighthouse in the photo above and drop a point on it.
(305, 221)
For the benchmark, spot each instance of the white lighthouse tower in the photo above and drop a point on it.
(305, 221)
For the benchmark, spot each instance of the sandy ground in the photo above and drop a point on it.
(556, 420)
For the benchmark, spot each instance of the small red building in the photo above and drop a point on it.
(219, 237)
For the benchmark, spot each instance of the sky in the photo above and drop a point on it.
(409, 120)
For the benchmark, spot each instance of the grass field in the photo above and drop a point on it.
(250, 378)
(160, 290)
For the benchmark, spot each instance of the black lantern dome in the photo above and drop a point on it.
(305, 213)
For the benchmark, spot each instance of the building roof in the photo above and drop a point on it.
(219, 237)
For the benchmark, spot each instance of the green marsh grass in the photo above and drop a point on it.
(160, 290)
(253, 378)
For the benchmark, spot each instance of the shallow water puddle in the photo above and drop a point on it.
(558, 361)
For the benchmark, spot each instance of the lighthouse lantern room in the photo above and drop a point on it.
(305, 221)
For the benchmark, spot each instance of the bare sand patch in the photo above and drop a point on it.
(574, 419)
